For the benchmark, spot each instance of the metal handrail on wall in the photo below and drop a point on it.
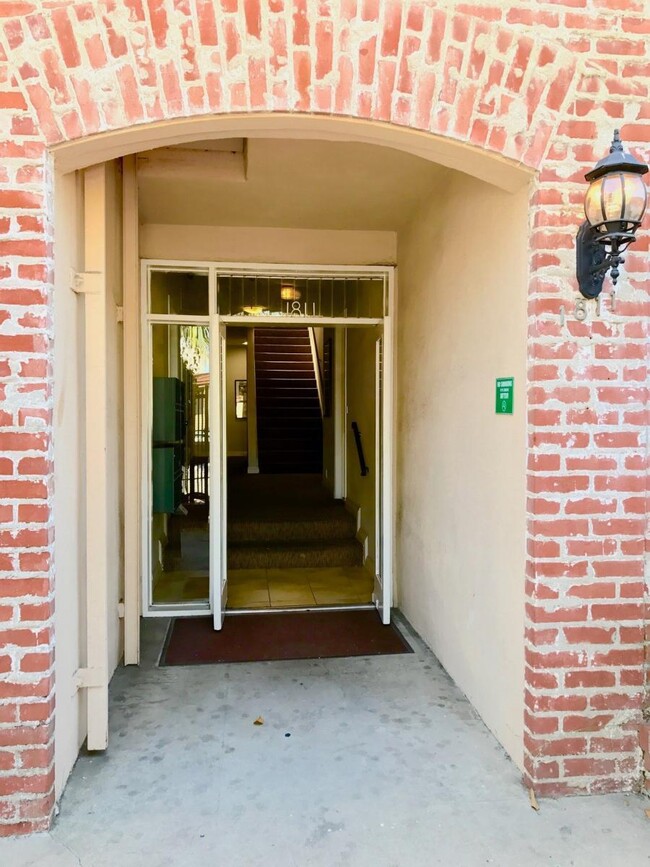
(363, 466)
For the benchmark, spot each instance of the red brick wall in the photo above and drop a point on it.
(541, 82)
(26, 579)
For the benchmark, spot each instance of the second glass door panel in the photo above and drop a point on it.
(180, 465)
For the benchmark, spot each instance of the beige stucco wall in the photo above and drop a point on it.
(270, 245)
(460, 482)
(236, 428)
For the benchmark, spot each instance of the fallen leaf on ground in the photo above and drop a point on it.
(647, 812)
(533, 799)
(259, 721)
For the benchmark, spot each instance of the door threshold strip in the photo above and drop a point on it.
(299, 610)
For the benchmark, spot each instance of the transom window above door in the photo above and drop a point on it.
(270, 292)
(328, 296)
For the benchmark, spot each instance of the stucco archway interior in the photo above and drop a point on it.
(459, 244)
(460, 248)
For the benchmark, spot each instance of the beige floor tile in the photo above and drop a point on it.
(281, 585)
(195, 594)
(288, 576)
(342, 597)
(341, 583)
(168, 596)
(241, 575)
(186, 574)
(182, 586)
(197, 583)
(303, 601)
(247, 583)
(248, 598)
(248, 606)
(165, 590)
(290, 594)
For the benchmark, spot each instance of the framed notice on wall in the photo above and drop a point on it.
(241, 398)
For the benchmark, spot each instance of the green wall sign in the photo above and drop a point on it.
(505, 395)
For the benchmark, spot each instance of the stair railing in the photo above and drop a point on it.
(363, 466)
(317, 371)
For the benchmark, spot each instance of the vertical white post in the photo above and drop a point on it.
(389, 439)
(95, 231)
(251, 409)
(223, 477)
(387, 510)
(131, 279)
(218, 481)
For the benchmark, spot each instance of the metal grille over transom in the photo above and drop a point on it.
(354, 297)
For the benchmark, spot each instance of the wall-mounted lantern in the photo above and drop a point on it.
(614, 206)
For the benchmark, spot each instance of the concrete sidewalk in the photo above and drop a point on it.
(371, 762)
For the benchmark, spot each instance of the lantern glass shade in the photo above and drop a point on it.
(616, 202)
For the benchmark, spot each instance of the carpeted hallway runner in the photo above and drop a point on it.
(296, 635)
(288, 521)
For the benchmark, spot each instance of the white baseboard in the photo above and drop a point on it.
(361, 535)
(353, 509)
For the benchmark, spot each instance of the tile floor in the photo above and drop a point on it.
(297, 588)
(181, 587)
(271, 588)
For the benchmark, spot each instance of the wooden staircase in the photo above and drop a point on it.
(289, 422)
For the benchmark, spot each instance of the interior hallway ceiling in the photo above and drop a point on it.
(295, 184)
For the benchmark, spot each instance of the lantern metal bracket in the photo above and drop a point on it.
(594, 260)
(591, 262)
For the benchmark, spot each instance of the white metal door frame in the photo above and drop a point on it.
(217, 476)
(132, 409)
(148, 321)
(383, 592)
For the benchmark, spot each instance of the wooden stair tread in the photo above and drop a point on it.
(289, 423)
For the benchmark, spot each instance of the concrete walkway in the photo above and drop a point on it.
(372, 762)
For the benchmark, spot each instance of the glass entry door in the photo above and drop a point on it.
(188, 396)
(178, 442)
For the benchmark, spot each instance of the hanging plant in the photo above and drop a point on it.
(195, 347)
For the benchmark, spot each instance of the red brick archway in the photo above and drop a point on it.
(79, 70)
(450, 74)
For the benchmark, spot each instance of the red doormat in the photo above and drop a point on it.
(294, 635)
